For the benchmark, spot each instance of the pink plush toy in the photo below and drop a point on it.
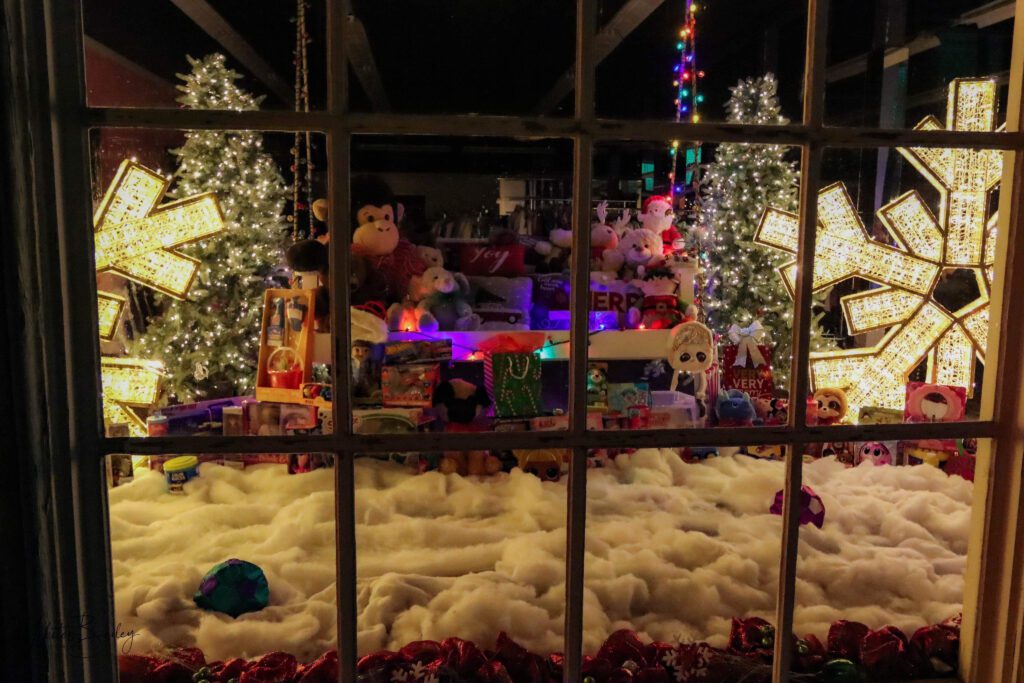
(876, 453)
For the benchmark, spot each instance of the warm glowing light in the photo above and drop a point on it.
(110, 307)
(127, 383)
(136, 236)
(961, 238)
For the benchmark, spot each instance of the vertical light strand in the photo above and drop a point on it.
(576, 513)
(810, 171)
(686, 89)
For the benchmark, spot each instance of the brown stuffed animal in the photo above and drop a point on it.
(469, 463)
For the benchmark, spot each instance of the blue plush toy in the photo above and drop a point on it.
(734, 409)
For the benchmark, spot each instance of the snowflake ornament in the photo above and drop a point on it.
(689, 662)
(416, 673)
(925, 249)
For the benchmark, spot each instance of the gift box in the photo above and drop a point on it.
(517, 384)
(425, 351)
(551, 423)
(626, 395)
(409, 385)
(674, 408)
(550, 310)
(747, 363)
(264, 418)
(387, 420)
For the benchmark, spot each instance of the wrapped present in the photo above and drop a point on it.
(409, 385)
(517, 384)
(747, 362)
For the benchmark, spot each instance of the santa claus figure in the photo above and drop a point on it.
(658, 217)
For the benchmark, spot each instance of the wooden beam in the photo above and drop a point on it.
(625, 21)
(981, 17)
(238, 47)
(360, 56)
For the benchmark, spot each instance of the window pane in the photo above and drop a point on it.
(883, 550)
(904, 271)
(224, 562)
(461, 283)
(460, 545)
(213, 304)
(681, 60)
(683, 551)
(690, 324)
(889, 63)
(136, 53)
(459, 56)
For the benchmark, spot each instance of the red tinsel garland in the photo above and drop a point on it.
(853, 652)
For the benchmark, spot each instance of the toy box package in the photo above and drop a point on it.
(409, 385)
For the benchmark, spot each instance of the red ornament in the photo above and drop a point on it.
(621, 646)
(271, 668)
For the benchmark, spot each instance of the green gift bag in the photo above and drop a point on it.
(516, 384)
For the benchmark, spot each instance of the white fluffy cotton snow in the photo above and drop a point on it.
(674, 550)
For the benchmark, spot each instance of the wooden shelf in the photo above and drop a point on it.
(604, 345)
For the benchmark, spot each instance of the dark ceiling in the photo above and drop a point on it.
(502, 56)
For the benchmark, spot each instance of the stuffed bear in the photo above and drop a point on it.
(638, 251)
(660, 309)
(431, 256)
(437, 300)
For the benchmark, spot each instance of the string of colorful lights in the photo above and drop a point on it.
(686, 84)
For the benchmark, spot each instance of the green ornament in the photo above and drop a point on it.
(841, 671)
(589, 679)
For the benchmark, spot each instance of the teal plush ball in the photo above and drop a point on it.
(233, 587)
(841, 671)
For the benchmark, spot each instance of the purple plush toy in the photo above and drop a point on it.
(812, 509)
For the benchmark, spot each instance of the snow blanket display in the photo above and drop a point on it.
(674, 551)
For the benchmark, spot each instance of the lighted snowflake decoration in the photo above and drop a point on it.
(924, 248)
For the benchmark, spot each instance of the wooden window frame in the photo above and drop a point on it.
(991, 642)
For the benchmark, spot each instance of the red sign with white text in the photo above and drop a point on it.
(755, 381)
(507, 259)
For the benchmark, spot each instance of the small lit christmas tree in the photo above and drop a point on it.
(742, 284)
(209, 343)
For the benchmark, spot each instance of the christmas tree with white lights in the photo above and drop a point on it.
(742, 283)
(209, 343)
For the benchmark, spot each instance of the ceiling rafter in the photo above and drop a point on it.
(208, 19)
(625, 21)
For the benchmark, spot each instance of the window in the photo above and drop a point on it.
(641, 415)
